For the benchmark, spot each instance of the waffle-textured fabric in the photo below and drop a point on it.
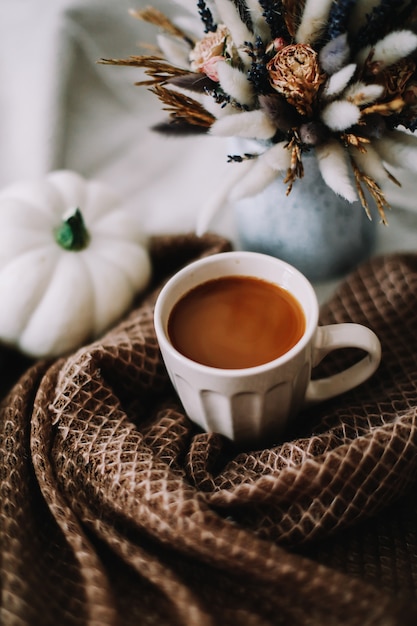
(117, 511)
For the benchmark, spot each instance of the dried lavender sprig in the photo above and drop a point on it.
(258, 74)
(337, 23)
(206, 17)
(239, 158)
(378, 23)
(273, 12)
(223, 98)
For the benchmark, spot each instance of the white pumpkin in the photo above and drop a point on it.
(71, 262)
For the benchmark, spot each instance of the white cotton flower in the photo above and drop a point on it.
(340, 115)
(339, 81)
(235, 83)
(250, 124)
(334, 168)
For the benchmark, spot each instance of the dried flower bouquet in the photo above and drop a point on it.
(337, 77)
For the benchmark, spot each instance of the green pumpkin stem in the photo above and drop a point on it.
(72, 233)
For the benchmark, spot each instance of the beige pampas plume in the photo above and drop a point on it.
(340, 115)
(255, 181)
(219, 111)
(235, 83)
(395, 46)
(256, 14)
(334, 168)
(313, 20)
(398, 149)
(335, 54)
(372, 165)
(174, 49)
(361, 94)
(249, 124)
(263, 171)
(278, 157)
(339, 81)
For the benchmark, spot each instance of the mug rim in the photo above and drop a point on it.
(177, 278)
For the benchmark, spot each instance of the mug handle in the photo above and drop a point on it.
(333, 337)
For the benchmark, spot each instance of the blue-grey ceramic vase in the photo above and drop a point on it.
(312, 228)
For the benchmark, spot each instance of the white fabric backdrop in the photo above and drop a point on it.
(59, 108)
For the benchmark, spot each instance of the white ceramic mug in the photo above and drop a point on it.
(253, 405)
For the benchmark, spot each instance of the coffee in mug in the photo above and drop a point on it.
(208, 344)
(247, 321)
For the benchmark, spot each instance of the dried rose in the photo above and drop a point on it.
(295, 72)
(210, 68)
(215, 45)
(276, 44)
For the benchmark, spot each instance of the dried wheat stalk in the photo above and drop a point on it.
(182, 107)
(157, 68)
(296, 169)
(157, 18)
(375, 191)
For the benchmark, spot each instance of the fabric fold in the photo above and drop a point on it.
(116, 509)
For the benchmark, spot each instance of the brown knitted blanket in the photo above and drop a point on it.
(116, 510)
